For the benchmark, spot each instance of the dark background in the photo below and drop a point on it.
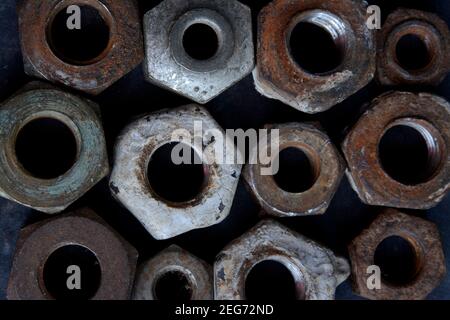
(239, 107)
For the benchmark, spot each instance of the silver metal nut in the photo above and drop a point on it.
(176, 271)
(138, 146)
(168, 63)
(318, 173)
(24, 119)
(315, 270)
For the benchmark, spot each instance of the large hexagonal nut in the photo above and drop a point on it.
(174, 275)
(407, 30)
(310, 169)
(76, 256)
(314, 271)
(398, 152)
(52, 148)
(313, 55)
(399, 257)
(168, 195)
(198, 48)
(83, 44)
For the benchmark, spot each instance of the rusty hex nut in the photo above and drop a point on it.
(174, 274)
(393, 174)
(315, 270)
(139, 178)
(426, 34)
(428, 264)
(316, 179)
(27, 122)
(47, 249)
(53, 52)
(282, 73)
(200, 69)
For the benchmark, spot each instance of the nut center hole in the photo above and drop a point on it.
(173, 286)
(200, 41)
(175, 182)
(82, 46)
(297, 173)
(46, 148)
(270, 280)
(317, 43)
(409, 154)
(72, 272)
(398, 260)
(412, 53)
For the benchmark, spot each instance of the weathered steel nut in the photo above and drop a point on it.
(287, 71)
(176, 275)
(52, 148)
(166, 199)
(426, 34)
(315, 270)
(76, 58)
(427, 264)
(47, 250)
(200, 69)
(312, 180)
(398, 152)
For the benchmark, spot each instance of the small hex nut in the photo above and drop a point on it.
(192, 273)
(315, 269)
(38, 242)
(165, 218)
(122, 52)
(169, 65)
(81, 117)
(427, 28)
(423, 238)
(279, 75)
(379, 184)
(325, 163)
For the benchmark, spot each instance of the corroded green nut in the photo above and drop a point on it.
(52, 148)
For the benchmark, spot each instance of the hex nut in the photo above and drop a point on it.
(164, 218)
(116, 258)
(81, 118)
(327, 168)
(123, 50)
(434, 35)
(169, 65)
(423, 237)
(426, 114)
(316, 270)
(197, 273)
(279, 76)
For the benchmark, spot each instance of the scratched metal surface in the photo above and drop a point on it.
(239, 107)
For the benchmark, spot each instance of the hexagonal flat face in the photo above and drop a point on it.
(168, 63)
(52, 52)
(309, 189)
(24, 119)
(270, 241)
(134, 180)
(428, 262)
(174, 274)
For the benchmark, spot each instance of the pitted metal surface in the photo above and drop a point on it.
(427, 114)
(129, 183)
(81, 117)
(198, 275)
(123, 51)
(325, 161)
(422, 236)
(116, 258)
(279, 76)
(316, 270)
(167, 63)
